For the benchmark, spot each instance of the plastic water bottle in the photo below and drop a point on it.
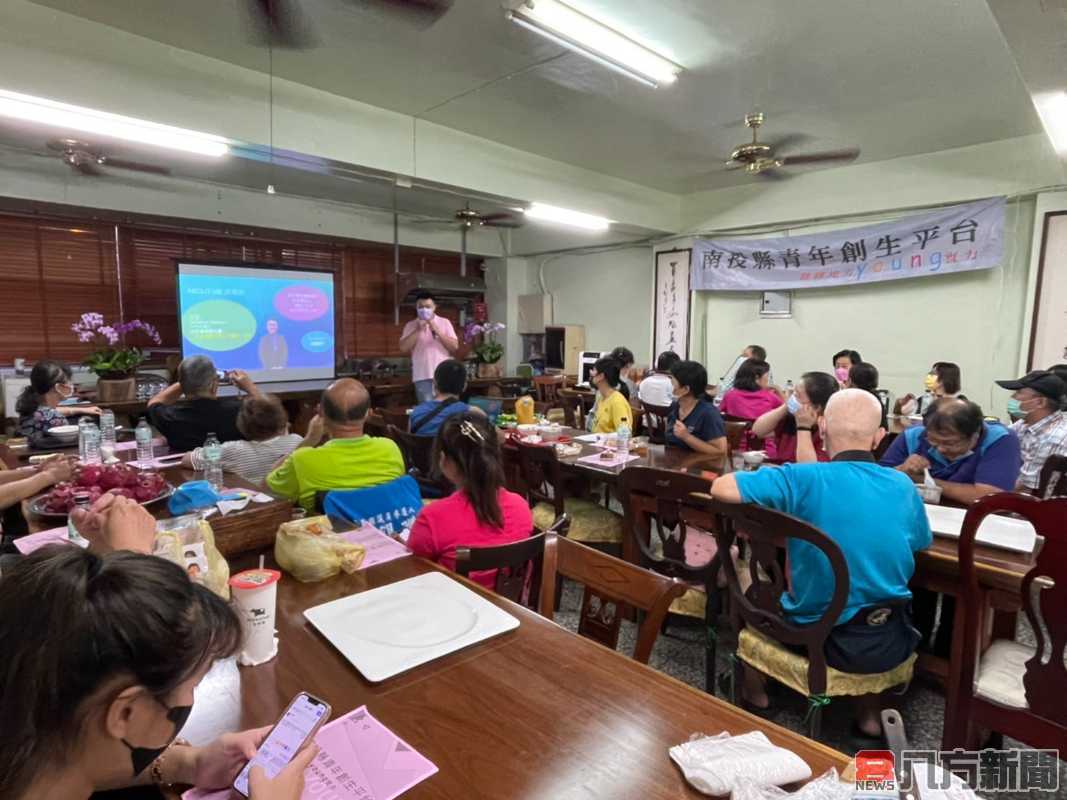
(143, 436)
(81, 500)
(789, 386)
(90, 452)
(107, 428)
(622, 439)
(83, 423)
(924, 402)
(213, 461)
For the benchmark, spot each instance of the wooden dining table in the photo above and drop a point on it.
(537, 712)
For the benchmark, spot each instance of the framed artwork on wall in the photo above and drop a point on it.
(670, 327)
(1048, 333)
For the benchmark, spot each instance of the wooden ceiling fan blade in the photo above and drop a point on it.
(502, 215)
(848, 154)
(281, 23)
(790, 141)
(503, 223)
(86, 168)
(133, 166)
(773, 174)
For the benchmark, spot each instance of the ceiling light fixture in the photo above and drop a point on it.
(574, 30)
(1052, 108)
(564, 216)
(88, 120)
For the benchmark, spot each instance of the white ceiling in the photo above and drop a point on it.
(894, 78)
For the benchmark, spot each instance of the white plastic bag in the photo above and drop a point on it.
(717, 765)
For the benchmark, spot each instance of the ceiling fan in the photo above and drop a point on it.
(763, 158)
(466, 218)
(84, 158)
(283, 23)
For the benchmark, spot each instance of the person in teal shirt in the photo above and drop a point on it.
(875, 516)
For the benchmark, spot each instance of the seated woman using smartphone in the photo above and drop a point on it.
(481, 512)
(101, 656)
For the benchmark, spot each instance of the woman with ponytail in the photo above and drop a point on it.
(481, 512)
(38, 405)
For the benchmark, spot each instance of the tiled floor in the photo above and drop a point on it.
(680, 653)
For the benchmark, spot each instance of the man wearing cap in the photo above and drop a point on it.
(1042, 430)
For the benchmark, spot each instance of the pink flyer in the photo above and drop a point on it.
(360, 759)
(380, 547)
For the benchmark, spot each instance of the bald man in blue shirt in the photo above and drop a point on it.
(878, 529)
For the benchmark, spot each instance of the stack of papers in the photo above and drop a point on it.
(1007, 533)
(378, 547)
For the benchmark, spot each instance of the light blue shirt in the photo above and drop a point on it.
(874, 515)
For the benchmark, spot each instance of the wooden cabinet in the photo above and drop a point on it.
(563, 343)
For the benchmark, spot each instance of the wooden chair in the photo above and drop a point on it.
(418, 459)
(764, 633)
(546, 388)
(611, 585)
(396, 416)
(1008, 689)
(658, 503)
(656, 422)
(576, 406)
(542, 480)
(736, 433)
(1053, 481)
(518, 565)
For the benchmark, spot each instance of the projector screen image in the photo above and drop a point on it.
(276, 324)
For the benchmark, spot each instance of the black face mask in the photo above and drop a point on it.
(143, 757)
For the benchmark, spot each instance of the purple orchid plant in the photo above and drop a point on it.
(112, 357)
(489, 351)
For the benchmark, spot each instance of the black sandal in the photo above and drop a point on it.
(767, 713)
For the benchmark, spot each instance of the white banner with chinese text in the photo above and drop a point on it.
(952, 239)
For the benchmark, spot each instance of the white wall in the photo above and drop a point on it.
(505, 280)
(609, 293)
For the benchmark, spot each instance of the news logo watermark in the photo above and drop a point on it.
(985, 771)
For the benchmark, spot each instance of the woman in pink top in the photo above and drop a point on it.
(481, 513)
(751, 396)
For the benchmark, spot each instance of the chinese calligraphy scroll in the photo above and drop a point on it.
(952, 239)
(671, 328)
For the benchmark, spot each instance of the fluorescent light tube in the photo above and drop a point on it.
(88, 120)
(1052, 108)
(564, 216)
(572, 29)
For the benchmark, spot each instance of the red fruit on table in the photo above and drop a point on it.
(89, 475)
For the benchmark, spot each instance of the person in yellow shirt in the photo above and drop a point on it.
(612, 409)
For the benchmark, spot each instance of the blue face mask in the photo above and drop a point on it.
(1014, 409)
(792, 405)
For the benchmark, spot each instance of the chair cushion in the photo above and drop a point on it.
(1001, 671)
(590, 521)
(691, 604)
(779, 662)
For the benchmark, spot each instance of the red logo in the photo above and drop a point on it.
(874, 767)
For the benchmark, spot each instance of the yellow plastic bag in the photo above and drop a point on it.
(189, 542)
(309, 550)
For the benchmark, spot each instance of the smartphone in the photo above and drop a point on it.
(297, 726)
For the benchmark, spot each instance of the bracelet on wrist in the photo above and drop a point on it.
(808, 428)
(157, 765)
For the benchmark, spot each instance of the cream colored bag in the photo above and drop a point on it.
(189, 542)
(309, 550)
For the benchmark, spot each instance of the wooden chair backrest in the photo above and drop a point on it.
(518, 566)
(656, 421)
(736, 432)
(547, 387)
(1053, 480)
(574, 407)
(768, 532)
(611, 586)
(541, 475)
(1043, 594)
(417, 450)
(395, 416)
(658, 503)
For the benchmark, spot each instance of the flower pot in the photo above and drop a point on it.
(116, 390)
(494, 370)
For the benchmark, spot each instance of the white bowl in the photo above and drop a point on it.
(527, 428)
(550, 433)
(64, 432)
(754, 457)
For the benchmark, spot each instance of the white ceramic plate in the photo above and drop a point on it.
(394, 628)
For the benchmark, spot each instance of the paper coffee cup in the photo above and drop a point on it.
(255, 593)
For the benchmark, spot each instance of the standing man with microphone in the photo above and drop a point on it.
(429, 339)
